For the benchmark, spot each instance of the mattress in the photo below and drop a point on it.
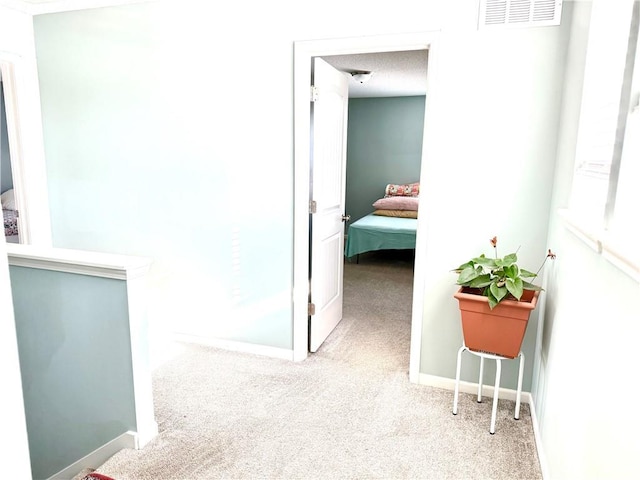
(378, 232)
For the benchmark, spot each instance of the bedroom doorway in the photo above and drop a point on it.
(384, 134)
(304, 53)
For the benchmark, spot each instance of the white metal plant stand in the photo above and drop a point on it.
(496, 389)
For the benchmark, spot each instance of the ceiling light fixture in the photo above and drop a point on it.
(361, 76)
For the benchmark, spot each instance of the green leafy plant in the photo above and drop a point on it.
(498, 278)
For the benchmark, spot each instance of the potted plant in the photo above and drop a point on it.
(495, 298)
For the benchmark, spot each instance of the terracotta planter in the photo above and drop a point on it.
(499, 331)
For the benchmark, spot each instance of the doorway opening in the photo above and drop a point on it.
(304, 53)
(384, 134)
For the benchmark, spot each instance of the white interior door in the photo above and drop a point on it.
(328, 167)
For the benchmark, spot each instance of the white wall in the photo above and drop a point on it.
(592, 323)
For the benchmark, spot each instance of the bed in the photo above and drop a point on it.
(378, 232)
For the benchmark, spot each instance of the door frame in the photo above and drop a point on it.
(26, 147)
(13, 134)
(304, 51)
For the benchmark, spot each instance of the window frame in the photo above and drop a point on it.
(605, 228)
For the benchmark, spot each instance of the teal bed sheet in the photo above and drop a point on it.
(377, 232)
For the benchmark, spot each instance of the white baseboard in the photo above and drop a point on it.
(146, 433)
(538, 439)
(263, 350)
(469, 387)
(98, 456)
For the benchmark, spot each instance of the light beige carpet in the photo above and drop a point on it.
(347, 412)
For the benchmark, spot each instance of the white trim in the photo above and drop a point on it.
(428, 152)
(15, 146)
(97, 457)
(106, 265)
(146, 426)
(537, 435)
(231, 345)
(588, 234)
(603, 243)
(147, 430)
(612, 252)
(304, 51)
(469, 387)
(26, 144)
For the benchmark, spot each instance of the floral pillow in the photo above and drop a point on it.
(397, 203)
(407, 190)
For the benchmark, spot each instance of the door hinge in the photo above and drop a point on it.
(313, 206)
(311, 309)
(314, 93)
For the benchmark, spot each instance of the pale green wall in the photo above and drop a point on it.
(384, 145)
(75, 358)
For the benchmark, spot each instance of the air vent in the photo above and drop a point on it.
(519, 13)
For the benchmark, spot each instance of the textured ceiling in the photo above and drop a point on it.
(395, 74)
